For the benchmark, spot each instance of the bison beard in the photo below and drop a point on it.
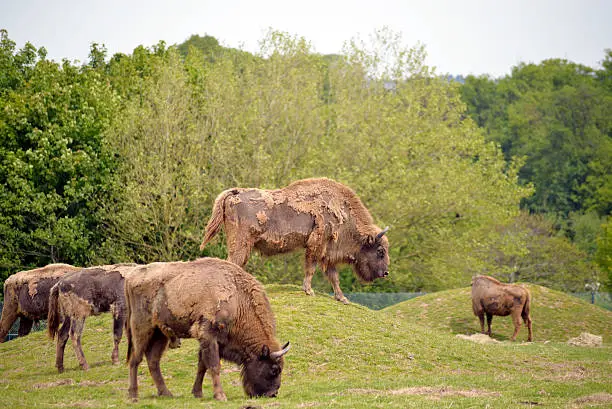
(213, 301)
(321, 216)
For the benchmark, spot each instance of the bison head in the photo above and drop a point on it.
(372, 260)
(261, 376)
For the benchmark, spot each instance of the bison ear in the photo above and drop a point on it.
(265, 352)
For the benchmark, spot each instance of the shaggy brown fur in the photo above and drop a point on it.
(322, 216)
(26, 296)
(78, 295)
(490, 297)
(213, 301)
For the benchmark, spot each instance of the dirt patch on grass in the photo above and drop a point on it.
(53, 384)
(586, 340)
(433, 392)
(564, 372)
(479, 338)
(597, 399)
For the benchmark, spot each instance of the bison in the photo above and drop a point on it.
(321, 215)
(76, 296)
(26, 296)
(213, 301)
(491, 297)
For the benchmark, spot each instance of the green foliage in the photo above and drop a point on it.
(121, 159)
(55, 166)
(557, 114)
(529, 250)
(342, 357)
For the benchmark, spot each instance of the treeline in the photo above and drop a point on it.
(557, 115)
(120, 159)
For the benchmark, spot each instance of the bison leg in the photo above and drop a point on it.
(238, 246)
(62, 338)
(118, 322)
(489, 319)
(135, 354)
(25, 326)
(481, 318)
(76, 332)
(309, 270)
(527, 320)
(155, 349)
(332, 275)
(208, 358)
(9, 316)
(516, 320)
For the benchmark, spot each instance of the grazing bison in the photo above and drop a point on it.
(26, 296)
(491, 297)
(213, 301)
(76, 296)
(321, 215)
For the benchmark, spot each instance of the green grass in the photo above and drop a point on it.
(341, 357)
(556, 316)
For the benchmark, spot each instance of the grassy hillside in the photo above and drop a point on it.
(556, 316)
(342, 357)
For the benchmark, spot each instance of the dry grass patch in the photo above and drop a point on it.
(597, 399)
(434, 392)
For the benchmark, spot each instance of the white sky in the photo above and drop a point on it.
(461, 36)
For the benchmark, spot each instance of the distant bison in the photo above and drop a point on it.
(76, 296)
(213, 301)
(491, 297)
(321, 215)
(26, 296)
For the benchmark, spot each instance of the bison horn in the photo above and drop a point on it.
(278, 354)
(382, 233)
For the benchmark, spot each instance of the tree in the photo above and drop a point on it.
(55, 168)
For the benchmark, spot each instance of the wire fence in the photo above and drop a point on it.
(374, 301)
(12, 334)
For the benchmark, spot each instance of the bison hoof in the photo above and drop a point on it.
(60, 369)
(220, 396)
(309, 291)
(343, 300)
(197, 394)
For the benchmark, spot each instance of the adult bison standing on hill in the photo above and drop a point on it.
(491, 297)
(321, 215)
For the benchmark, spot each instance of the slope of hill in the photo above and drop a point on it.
(556, 316)
(342, 356)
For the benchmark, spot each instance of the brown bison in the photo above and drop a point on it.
(26, 296)
(321, 215)
(491, 297)
(76, 296)
(213, 301)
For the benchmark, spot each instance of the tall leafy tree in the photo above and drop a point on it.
(55, 167)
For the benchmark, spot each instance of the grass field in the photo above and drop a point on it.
(343, 356)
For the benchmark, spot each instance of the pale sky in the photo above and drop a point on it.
(461, 36)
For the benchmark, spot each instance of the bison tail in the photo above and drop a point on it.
(217, 216)
(527, 306)
(53, 316)
(128, 323)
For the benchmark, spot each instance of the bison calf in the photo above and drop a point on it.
(490, 297)
(78, 295)
(213, 301)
